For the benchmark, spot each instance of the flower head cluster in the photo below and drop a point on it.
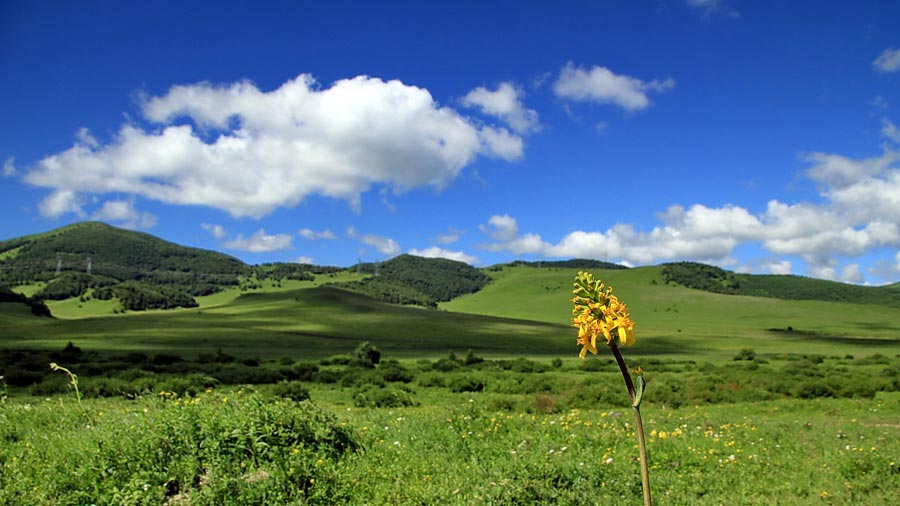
(599, 313)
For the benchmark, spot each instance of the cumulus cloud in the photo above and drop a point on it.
(504, 103)
(259, 242)
(450, 237)
(304, 260)
(124, 214)
(9, 167)
(601, 85)
(61, 202)
(436, 252)
(384, 245)
(217, 231)
(888, 61)
(859, 213)
(890, 131)
(248, 151)
(312, 235)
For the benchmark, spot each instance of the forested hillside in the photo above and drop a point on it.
(409, 279)
(142, 270)
(788, 287)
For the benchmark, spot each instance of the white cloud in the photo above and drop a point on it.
(888, 61)
(775, 266)
(217, 231)
(890, 131)
(9, 167)
(504, 103)
(248, 151)
(501, 227)
(304, 260)
(436, 252)
(124, 213)
(384, 245)
(851, 273)
(450, 237)
(60, 202)
(601, 85)
(501, 143)
(259, 242)
(859, 213)
(311, 235)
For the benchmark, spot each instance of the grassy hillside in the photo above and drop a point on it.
(312, 322)
(787, 287)
(113, 252)
(409, 279)
(679, 319)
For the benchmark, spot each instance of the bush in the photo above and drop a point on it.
(367, 355)
(336, 360)
(382, 397)
(812, 389)
(166, 359)
(293, 390)
(393, 372)
(461, 384)
(745, 354)
(472, 359)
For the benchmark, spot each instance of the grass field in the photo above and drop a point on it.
(811, 416)
(508, 444)
(524, 311)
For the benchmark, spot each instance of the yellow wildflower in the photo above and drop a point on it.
(597, 312)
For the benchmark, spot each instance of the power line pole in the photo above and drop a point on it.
(89, 266)
(58, 264)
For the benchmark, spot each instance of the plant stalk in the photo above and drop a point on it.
(638, 424)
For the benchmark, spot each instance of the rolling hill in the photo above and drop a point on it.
(512, 309)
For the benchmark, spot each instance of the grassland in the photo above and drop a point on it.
(514, 442)
(810, 417)
(524, 311)
(677, 320)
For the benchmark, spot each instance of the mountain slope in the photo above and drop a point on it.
(678, 314)
(93, 255)
(408, 279)
(786, 287)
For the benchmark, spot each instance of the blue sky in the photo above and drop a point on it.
(759, 136)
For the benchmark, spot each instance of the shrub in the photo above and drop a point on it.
(461, 384)
(382, 397)
(367, 355)
(745, 354)
(472, 359)
(336, 360)
(393, 372)
(166, 359)
(293, 390)
(812, 389)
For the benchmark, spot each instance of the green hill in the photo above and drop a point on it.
(311, 322)
(408, 279)
(787, 287)
(93, 259)
(674, 317)
(114, 253)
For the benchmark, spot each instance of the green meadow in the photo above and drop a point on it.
(270, 396)
(524, 311)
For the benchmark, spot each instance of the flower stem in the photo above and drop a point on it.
(638, 423)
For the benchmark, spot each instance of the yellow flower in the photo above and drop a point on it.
(597, 312)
